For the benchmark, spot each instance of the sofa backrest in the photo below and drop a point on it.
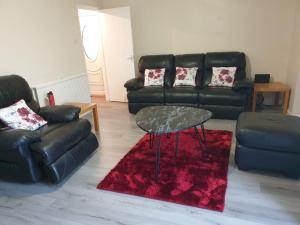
(14, 88)
(158, 62)
(188, 61)
(224, 59)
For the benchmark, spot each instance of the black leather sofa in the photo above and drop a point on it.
(51, 152)
(225, 103)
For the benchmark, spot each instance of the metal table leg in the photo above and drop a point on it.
(202, 140)
(203, 133)
(177, 142)
(151, 140)
(157, 138)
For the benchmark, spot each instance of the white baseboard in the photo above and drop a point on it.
(292, 114)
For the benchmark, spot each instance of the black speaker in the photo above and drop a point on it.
(262, 78)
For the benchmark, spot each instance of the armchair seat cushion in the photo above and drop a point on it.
(57, 139)
(184, 94)
(222, 96)
(146, 95)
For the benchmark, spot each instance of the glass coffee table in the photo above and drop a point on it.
(158, 120)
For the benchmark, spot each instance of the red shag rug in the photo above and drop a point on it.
(194, 178)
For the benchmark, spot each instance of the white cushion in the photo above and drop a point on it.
(185, 76)
(154, 77)
(223, 76)
(20, 116)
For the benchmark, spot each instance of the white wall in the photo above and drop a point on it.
(40, 40)
(261, 28)
(86, 4)
(294, 66)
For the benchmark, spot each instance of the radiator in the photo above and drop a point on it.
(71, 89)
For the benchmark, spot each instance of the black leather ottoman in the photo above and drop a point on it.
(268, 141)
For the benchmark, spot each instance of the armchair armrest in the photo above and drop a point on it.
(134, 84)
(243, 84)
(15, 138)
(60, 114)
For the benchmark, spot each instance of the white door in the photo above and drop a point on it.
(118, 51)
(90, 25)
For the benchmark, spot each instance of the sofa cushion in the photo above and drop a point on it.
(224, 59)
(189, 61)
(222, 96)
(184, 94)
(269, 131)
(222, 77)
(185, 76)
(146, 94)
(158, 62)
(59, 139)
(154, 77)
(20, 116)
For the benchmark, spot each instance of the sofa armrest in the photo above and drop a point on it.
(60, 114)
(15, 138)
(134, 84)
(243, 84)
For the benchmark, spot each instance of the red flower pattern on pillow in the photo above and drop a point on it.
(23, 112)
(20, 116)
(154, 77)
(185, 76)
(223, 76)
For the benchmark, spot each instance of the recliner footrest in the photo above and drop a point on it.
(60, 140)
(63, 166)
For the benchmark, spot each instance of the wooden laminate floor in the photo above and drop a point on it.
(251, 198)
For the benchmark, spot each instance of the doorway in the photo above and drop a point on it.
(90, 27)
(108, 49)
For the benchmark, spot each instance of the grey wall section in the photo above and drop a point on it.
(89, 3)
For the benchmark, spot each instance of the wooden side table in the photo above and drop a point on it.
(88, 107)
(276, 87)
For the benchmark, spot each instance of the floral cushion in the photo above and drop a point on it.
(223, 77)
(20, 116)
(154, 77)
(185, 76)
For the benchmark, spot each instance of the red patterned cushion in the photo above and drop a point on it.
(223, 76)
(185, 76)
(20, 116)
(154, 77)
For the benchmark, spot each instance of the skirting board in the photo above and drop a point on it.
(292, 114)
(70, 89)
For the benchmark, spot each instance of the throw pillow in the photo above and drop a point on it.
(154, 77)
(20, 116)
(185, 76)
(223, 77)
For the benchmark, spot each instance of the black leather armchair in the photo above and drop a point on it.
(51, 152)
